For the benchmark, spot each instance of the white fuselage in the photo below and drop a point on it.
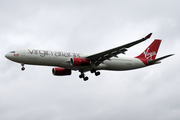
(62, 59)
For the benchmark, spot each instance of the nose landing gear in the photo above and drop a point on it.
(23, 68)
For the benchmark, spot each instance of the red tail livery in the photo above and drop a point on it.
(151, 51)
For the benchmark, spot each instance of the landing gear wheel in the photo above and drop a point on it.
(85, 78)
(81, 76)
(23, 68)
(93, 71)
(97, 73)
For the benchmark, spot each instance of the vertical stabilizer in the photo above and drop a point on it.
(151, 51)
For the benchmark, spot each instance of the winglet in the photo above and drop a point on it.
(148, 36)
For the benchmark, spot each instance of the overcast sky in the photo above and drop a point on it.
(89, 26)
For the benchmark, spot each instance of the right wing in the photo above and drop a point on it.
(98, 58)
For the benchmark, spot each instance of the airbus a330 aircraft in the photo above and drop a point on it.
(65, 62)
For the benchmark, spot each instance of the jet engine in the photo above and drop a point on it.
(79, 62)
(61, 71)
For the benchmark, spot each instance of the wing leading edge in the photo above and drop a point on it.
(98, 58)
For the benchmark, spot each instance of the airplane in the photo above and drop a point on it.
(65, 62)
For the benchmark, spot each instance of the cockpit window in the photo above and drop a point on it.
(12, 52)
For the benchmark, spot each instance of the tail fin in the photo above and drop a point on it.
(151, 51)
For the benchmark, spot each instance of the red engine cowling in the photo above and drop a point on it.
(61, 71)
(79, 62)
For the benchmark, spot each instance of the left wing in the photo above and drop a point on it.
(98, 58)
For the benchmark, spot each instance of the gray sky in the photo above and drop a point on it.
(89, 27)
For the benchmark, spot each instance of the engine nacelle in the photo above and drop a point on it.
(61, 71)
(79, 62)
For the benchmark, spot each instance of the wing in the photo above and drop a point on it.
(98, 58)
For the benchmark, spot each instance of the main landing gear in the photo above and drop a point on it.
(23, 68)
(82, 75)
(85, 78)
(96, 72)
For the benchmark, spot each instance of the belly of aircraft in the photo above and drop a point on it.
(123, 64)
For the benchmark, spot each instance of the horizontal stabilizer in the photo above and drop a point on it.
(150, 62)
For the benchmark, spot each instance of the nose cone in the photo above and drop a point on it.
(7, 56)
(13, 56)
